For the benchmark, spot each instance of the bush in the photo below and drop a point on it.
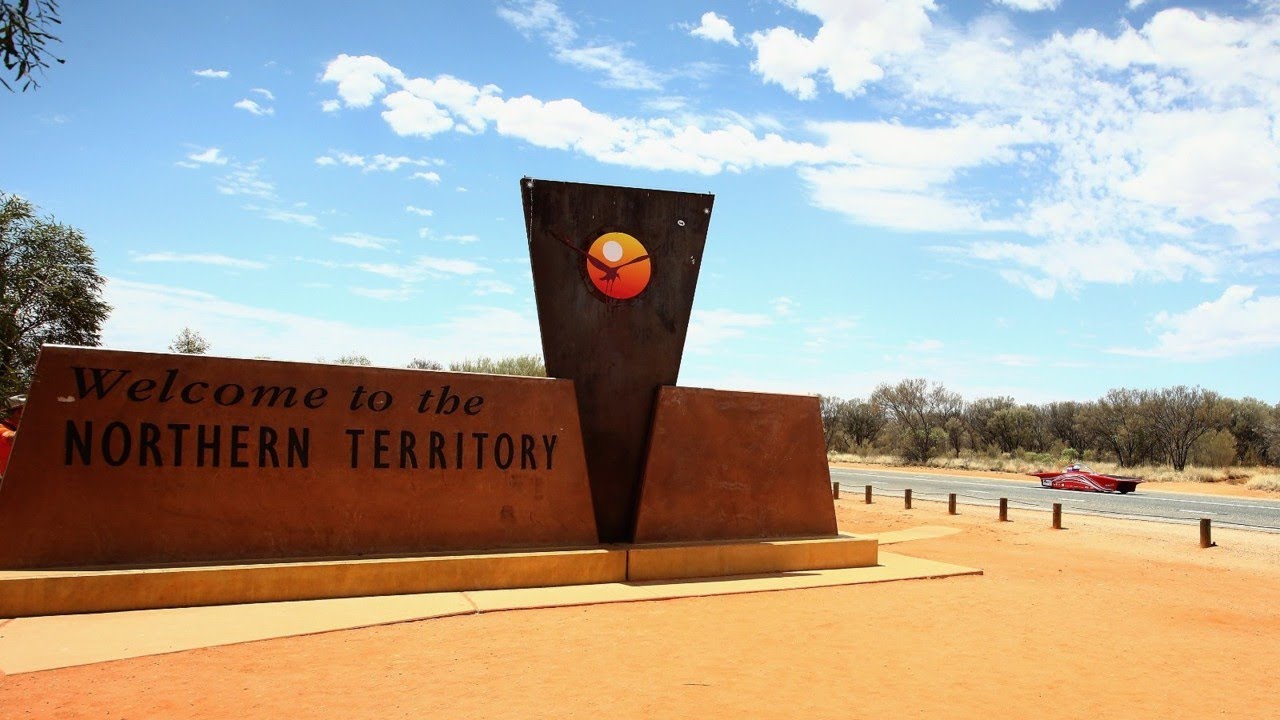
(1216, 448)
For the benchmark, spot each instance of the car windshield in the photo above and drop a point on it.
(1080, 468)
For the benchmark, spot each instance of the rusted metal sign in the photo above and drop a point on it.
(734, 465)
(140, 458)
(614, 273)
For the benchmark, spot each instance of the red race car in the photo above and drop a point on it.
(1082, 477)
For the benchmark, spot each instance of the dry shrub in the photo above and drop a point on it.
(1269, 482)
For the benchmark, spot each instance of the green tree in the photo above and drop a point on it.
(1119, 423)
(920, 412)
(189, 342)
(24, 30)
(529, 365)
(1179, 416)
(420, 364)
(353, 359)
(50, 290)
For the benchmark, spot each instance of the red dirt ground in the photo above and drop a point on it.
(1106, 619)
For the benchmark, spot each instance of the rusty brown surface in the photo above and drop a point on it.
(618, 353)
(734, 465)
(67, 500)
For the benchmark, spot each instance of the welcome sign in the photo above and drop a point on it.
(140, 458)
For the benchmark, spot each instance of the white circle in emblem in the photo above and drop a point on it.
(612, 251)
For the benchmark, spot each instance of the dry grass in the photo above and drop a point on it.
(1269, 482)
(1253, 477)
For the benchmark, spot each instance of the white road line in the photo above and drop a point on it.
(1207, 502)
(1201, 512)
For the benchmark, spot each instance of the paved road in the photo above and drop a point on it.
(1144, 504)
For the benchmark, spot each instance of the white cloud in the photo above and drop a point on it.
(1030, 5)
(925, 346)
(715, 28)
(383, 294)
(254, 108)
(464, 239)
(211, 73)
(424, 212)
(423, 267)
(245, 180)
(492, 287)
(211, 156)
(202, 259)
(544, 18)
(621, 70)
(851, 48)
(429, 176)
(376, 163)
(285, 216)
(330, 106)
(1070, 264)
(147, 316)
(708, 328)
(360, 79)
(1150, 153)
(264, 93)
(1237, 323)
(783, 306)
(363, 241)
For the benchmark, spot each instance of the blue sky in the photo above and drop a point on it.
(1029, 198)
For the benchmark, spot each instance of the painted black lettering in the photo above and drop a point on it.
(408, 458)
(479, 449)
(379, 400)
(355, 434)
(426, 398)
(380, 447)
(300, 447)
(236, 391)
(188, 398)
(502, 458)
(206, 444)
(527, 460)
(458, 464)
(437, 450)
(550, 445)
(98, 384)
(78, 443)
(148, 443)
(315, 398)
(238, 443)
(166, 392)
(355, 397)
(276, 392)
(178, 430)
(446, 399)
(267, 438)
(126, 443)
(472, 406)
(136, 390)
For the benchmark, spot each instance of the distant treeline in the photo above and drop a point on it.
(919, 420)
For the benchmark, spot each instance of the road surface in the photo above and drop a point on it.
(1144, 503)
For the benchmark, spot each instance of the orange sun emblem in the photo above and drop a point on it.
(617, 264)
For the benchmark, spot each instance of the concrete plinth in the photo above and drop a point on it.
(25, 593)
(673, 561)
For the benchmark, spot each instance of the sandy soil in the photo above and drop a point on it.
(1190, 488)
(1105, 619)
